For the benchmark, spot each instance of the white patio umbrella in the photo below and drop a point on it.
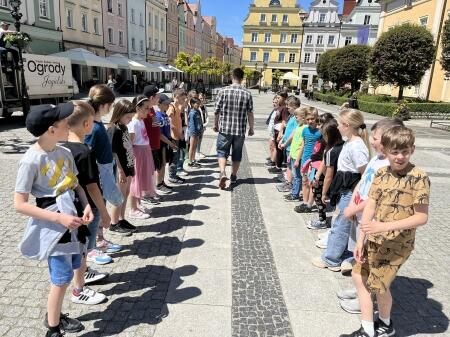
(290, 76)
(86, 58)
(174, 69)
(151, 68)
(125, 63)
(163, 68)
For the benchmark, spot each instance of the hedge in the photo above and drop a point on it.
(430, 107)
(330, 99)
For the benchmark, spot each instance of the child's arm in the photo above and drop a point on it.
(23, 207)
(88, 216)
(299, 157)
(97, 198)
(287, 142)
(166, 140)
(367, 216)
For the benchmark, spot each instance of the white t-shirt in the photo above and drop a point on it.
(354, 155)
(369, 174)
(137, 127)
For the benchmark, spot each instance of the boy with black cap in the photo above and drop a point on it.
(56, 230)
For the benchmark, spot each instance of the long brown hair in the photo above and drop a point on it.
(100, 94)
(121, 108)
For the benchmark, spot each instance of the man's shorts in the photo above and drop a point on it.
(226, 143)
(157, 159)
(61, 268)
(382, 263)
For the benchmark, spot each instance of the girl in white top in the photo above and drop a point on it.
(143, 182)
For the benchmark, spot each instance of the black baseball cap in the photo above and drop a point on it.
(164, 99)
(151, 90)
(41, 117)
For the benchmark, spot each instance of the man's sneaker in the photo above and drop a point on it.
(233, 179)
(118, 229)
(347, 294)
(87, 296)
(357, 333)
(284, 187)
(138, 215)
(125, 224)
(347, 266)
(316, 224)
(383, 330)
(290, 198)
(351, 306)
(176, 180)
(222, 180)
(318, 262)
(269, 163)
(321, 243)
(303, 208)
(275, 170)
(92, 275)
(66, 323)
(98, 257)
(108, 247)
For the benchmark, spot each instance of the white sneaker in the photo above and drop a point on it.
(351, 306)
(323, 235)
(347, 266)
(347, 294)
(88, 296)
(322, 244)
(92, 275)
(138, 215)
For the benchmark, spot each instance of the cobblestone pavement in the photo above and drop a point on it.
(228, 263)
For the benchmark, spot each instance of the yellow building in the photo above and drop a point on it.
(272, 38)
(428, 13)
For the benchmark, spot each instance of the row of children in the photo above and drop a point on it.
(77, 165)
(378, 201)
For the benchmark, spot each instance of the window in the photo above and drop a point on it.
(141, 19)
(156, 21)
(367, 19)
(307, 58)
(294, 38)
(110, 36)
(331, 40)
(262, 18)
(317, 57)
(292, 58)
(254, 37)
(281, 57)
(320, 39)
(162, 24)
(84, 23)
(253, 56)
(348, 40)
(423, 21)
(267, 37)
(133, 20)
(69, 18)
(96, 26)
(266, 56)
(120, 38)
(133, 44)
(149, 19)
(119, 9)
(150, 43)
(4, 3)
(308, 39)
(162, 45)
(322, 17)
(43, 8)
(285, 18)
(110, 5)
(274, 18)
(141, 46)
(283, 37)
(156, 44)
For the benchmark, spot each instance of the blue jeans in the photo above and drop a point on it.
(296, 179)
(339, 234)
(93, 228)
(175, 159)
(61, 268)
(227, 143)
(110, 189)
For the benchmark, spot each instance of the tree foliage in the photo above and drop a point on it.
(445, 56)
(277, 74)
(402, 55)
(324, 63)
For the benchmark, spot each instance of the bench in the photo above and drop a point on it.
(438, 120)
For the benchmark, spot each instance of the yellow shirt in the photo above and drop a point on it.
(297, 141)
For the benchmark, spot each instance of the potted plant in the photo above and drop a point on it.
(19, 39)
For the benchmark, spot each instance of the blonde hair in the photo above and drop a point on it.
(81, 112)
(398, 138)
(355, 119)
(311, 112)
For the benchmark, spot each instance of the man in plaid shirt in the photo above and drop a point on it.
(233, 109)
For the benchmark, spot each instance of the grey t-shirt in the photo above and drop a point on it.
(46, 174)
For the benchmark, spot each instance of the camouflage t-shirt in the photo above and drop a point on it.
(395, 195)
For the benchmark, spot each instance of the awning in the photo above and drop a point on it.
(172, 68)
(86, 58)
(150, 67)
(125, 63)
(162, 67)
(290, 76)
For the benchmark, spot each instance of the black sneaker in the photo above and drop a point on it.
(233, 179)
(169, 187)
(383, 330)
(303, 208)
(290, 197)
(275, 170)
(66, 323)
(54, 334)
(194, 164)
(125, 224)
(270, 163)
(119, 230)
(177, 180)
(357, 333)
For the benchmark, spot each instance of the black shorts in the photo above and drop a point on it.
(167, 152)
(157, 159)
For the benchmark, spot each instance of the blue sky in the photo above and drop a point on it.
(231, 13)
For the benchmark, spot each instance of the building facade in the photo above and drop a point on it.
(321, 33)
(172, 30)
(272, 37)
(232, 52)
(220, 45)
(206, 39)
(156, 31)
(430, 14)
(115, 26)
(190, 29)
(41, 21)
(198, 27)
(136, 30)
(181, 26)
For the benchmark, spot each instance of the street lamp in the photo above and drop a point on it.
(15, 7)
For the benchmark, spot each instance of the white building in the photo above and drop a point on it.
(321, 33)
(136, 30)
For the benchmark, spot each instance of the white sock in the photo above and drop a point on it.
(386, 321)
(368, 328)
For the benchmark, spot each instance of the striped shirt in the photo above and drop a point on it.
(233, 105)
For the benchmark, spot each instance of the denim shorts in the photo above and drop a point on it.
(93, 228)
(226, 142)
(61, 268)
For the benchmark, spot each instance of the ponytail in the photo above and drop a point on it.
(355, 119)
(99, 95)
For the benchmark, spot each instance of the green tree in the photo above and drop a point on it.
(445, 56)
(196, 64)
(276, 76)
(349, 64)
(324, 63)
(402, 55)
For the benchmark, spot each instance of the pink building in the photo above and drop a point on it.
(115, 35)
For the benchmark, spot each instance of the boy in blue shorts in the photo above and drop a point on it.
(56, 230)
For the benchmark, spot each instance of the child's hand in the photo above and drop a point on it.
(69, 221)
(348, 211)
(372, 227)
(324, 199)
(88, 216)
(358, 253)
(122, 177)
(173, 146)
(106, 220)
(296, 163)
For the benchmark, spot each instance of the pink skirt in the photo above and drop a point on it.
(143, 182)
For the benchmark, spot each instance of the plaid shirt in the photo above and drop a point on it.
(233, 104)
